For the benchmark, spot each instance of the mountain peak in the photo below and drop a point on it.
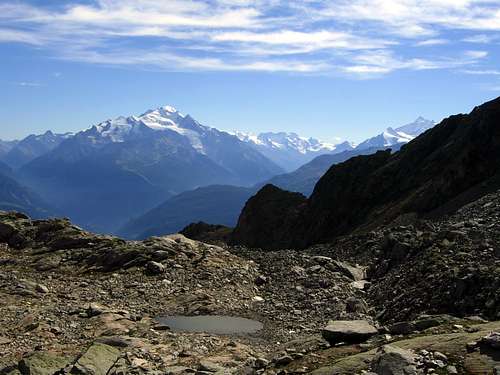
(169, 109)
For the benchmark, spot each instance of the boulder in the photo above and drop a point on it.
(97, 360)
(154, 268)
(42, 364)
(492, 340)
(391, 360)
(349, 331)
(352, 272)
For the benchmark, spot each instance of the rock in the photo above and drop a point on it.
(96, 309)
(209, 366)
(391, 360)
(258, 299)
(361, 284)
(322, 260)
(452, 370)
(399, 252)
(42, 364)
(492, 340)
(429, 321)
(350, 331)
(4, 340)
(354, 273)
(260, 280)
(283, 360)
(440, 356)
(121, 341)
(178, 370)
(356, 305)
(41, 288)
(154, 268)
(261, 363)
(402, 328)
(97, 360)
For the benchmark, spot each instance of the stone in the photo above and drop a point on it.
(261, 363)
(402, 328)
(492, 340)
(178, 370)
(349, 331)
(361, 284)
(283, 360)
(97, 360)
(354, 273)
(356, 305)
(391, 360)
(40, 288)
(452, 370)
(42, 364)
(4, 340)
(257, 299)
(154, 268)
(96, 309)
(209, 366)
(440, 356)
(260, 280)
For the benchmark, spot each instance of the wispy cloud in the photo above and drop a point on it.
(27, 84)
(489, 72)
(432, 42)
(349, 37)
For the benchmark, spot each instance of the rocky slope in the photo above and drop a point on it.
(86, 303)
(446, 167)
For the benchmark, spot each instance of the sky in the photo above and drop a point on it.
(336, 70)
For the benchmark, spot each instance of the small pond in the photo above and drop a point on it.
(222, 325)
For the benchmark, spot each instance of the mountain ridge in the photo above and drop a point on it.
(445, 162)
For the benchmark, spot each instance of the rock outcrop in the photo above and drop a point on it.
(268, 217)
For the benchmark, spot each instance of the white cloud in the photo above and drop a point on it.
(480, 39)
(28, 84)
(352, 37)
(489, 72)
(432, 42)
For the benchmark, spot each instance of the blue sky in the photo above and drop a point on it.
(345, 68)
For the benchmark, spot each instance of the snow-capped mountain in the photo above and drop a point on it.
(31, 147)
(124, 166)
(289, 150)
(398, 136)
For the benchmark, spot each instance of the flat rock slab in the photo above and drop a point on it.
(42, 364)
(391, 360)
(349, 331)
(97, 360)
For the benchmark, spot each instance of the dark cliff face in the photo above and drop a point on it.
(268, 217)
(444, 168)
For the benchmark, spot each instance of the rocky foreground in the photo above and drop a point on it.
(415, 297)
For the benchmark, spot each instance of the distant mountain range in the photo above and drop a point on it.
(289, 150)
(401, 135)
(162, 161)
(125, 166)
(223, 204)
(19, 153)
